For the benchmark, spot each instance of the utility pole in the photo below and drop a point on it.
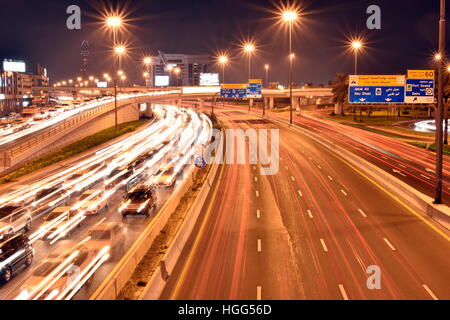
(440, 106)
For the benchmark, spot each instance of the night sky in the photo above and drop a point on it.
(36, 31)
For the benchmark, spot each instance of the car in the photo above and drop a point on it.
(16, 252)
(141, 200)
(165, 176)
(57, 272)
(49, 198)
(93, 202)
(117, 175)
(106, 234)
(14, 218)
(60, 222)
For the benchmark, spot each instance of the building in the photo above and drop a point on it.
(16, 87)
(189, 66)
(84, 58)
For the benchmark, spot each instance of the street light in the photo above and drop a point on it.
(289, 16)
(440, 106)
(266, 67)
(249, 48)
(223, 60)
(147, 62)
(114, 22)
(356, 47)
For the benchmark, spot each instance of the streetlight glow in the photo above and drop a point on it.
(356, 45)
(289, 15)
(147, 60)
(249, 48)
(120, 50)
(114, 21)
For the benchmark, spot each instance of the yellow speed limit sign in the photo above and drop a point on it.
(420, 74)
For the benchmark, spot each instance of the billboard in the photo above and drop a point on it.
(102, 84)
(377, 89)
(14, 66)
(238, 90)
(209, 79)
(420, 86)
(254, 88)
(161, 81)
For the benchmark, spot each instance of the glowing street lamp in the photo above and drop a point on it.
(290, 16)
(356, 46)
(249, 49)
(266, 67)
(177, 72)
(223, 61)
(114, 22)
(148, 64)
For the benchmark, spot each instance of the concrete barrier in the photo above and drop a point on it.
(440, 213)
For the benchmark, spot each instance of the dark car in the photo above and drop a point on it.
(117, 175)
(49, 198)
(16, 252)
(141, 200)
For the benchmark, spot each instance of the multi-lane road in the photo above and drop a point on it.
(110, 170)
(311, 231)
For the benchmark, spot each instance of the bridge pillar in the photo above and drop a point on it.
(296, 103)
(148, 111)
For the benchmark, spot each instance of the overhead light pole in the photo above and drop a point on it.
(114, 22)
(356, 47)
(290, 16)
(147, 62)
(249, 48)
(266, 67)
(440, 107)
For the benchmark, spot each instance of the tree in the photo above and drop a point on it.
(339, 87)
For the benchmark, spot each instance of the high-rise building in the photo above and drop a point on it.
(16, 86)
(84, 58)
(190, 67)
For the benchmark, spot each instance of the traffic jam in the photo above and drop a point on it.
(61, 230)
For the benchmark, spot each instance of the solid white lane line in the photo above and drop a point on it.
(309, 213)
(300, 193)
(362, 212)
(258, 292)
(343, 192)
(257, 193)
(344, 294)
(389, 244)
(292, 178)
(323, 245)
(330, 177)
(430, 292)
(258, 214)
(259, 245)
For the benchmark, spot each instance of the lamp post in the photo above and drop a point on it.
(290, 16)
(114, 22)
(223, 60)
(177, 73)
(440, 107)
(147, 62)
(249, 48)
(266, 67)
(356, 46)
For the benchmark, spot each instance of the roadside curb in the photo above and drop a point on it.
(439, 213)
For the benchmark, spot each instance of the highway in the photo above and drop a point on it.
(110, 170)
(309, 232)
(411, 164)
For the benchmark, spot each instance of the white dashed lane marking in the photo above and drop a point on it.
(259, 245)
(428, 290)
(300, 193)
(344, 294)
(343, 192)
(324, 246)
(389, 244)
(362, 212)
(309, 213)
